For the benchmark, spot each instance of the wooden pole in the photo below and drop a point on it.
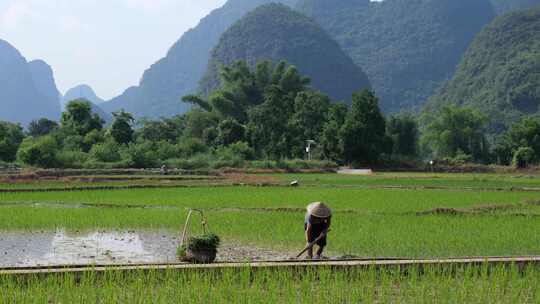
(185, 228)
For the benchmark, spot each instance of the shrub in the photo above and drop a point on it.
(11, 136)
(461, 158)
(233, 156)
(39, 152)
(523, 157)
(93, 137)
(243, 150)
(294, 164)
(71, 159)
(140, 155)
(191, 146)
(73, 143)
(210, 136)
(166, 150)
(106, 152)
(308, 164)
(200, 161)
(236, 162)
(93, 164)
(230, 131)
(263, 164)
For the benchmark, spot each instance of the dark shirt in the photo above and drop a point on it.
(317, 221)
(318, 226)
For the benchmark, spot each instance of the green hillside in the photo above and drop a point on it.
(406, 47)
(500, 73)
(178, 73)
(275, 32)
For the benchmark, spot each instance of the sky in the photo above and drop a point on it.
(106, 44)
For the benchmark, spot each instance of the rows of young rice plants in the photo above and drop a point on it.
(446, 180)
(39, 185)
(395, 201)
(435, 284)
(108, 181)
(366, 235)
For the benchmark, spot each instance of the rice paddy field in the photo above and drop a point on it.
(403, 215)
(433, 285)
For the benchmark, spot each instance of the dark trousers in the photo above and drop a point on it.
(316, 231)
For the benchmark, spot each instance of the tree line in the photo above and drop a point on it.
(264, 116)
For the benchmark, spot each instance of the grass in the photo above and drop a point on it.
(446, 180)
(431, 285)
(368, 222)
(355, 234)
(366, 200)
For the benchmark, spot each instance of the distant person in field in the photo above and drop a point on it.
(316, 224)
(164, 170)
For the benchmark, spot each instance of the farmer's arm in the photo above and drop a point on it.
(308, 232)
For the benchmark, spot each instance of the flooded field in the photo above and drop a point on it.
(31, 249)
(73, 248)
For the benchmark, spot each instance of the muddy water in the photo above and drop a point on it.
(23, 249)
(100, 247)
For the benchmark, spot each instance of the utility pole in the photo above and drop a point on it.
(310, 142)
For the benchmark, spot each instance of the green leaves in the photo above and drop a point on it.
(458, 130)
(78, 118)
(363, 135)
(407, 48)
(39, 152)
(203, 242)
(275, 32)
(499, 75)
(11, 136)
(121, 129)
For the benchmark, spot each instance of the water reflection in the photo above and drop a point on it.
(96, 247)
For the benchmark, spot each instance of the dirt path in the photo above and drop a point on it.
(400, 264)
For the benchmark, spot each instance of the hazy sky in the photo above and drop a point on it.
(104, 43)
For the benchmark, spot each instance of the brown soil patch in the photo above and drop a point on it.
(243, 253)
(533, 202)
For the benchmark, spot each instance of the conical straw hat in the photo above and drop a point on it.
(319, 209)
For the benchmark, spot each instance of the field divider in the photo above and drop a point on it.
(480, 210)
(97, 188)
(129, 187)
(378, 263)
(226, 183)
(421, 187)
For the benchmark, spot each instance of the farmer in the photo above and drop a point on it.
(164, 170)
(317, 224)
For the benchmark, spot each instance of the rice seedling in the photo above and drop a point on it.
(367, 222)
(367, 200)
(436, 284)
(408, 179)
(406, 235)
